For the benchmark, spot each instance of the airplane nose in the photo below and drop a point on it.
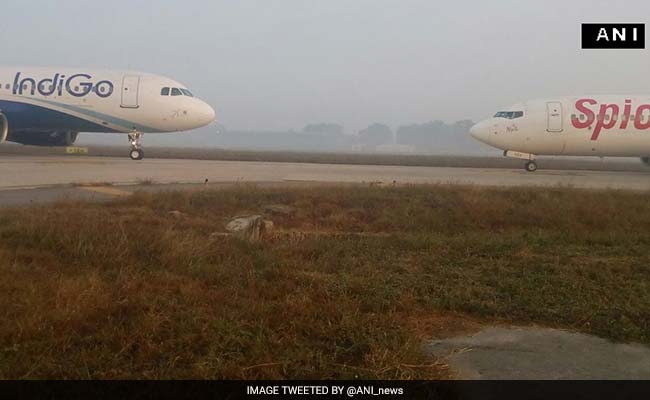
(479, 131)
(206, 114)
(474, 130)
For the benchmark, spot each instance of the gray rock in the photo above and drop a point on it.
(279, 209)
(249, 227)
(176, 214)
(541, 353)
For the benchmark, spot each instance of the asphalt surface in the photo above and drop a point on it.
(43, 171)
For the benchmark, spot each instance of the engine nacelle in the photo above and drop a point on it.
(50, 139)
(646, 161)
(4, 127)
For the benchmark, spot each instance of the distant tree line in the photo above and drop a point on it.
(429, 136)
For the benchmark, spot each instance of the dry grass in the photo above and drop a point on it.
(125, 291)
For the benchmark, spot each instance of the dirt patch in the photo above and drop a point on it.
(541, 353)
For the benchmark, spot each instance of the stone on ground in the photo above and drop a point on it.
(250, 227)
(279, 209)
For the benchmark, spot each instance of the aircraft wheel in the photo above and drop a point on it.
(531, 166)
(137, 154)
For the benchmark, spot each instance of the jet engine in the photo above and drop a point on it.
(4, 127)
(50, 139)
(646, 161)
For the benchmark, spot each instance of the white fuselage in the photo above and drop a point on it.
(42, 100)
(617, 126)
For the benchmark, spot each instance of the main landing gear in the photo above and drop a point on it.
(135, 138)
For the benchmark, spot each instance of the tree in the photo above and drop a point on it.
(324, 129)
(376, 135)
(423, 136)
(437, 136)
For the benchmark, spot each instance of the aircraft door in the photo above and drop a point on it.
(554, 117)
(130, 91)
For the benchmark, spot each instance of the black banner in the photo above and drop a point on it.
(613, 36)
(298, 390)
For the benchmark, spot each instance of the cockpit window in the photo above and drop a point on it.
(166, 91)
(509, 114)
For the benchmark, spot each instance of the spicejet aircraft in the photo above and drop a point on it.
(50, 106)
(604, 126)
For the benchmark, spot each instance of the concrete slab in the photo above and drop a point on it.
(541, 353)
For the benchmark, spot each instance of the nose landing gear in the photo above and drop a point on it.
(531, 166)
(135, 138)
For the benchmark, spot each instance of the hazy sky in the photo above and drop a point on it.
(279, 64)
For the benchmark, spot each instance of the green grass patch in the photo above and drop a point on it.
(123, 290)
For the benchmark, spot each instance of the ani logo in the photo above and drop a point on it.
(613, 36)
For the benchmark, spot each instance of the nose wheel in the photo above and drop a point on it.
(531, 166)
(135, 138)
(137, 154)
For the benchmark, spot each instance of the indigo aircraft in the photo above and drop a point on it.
(603, 126)
(51, 106)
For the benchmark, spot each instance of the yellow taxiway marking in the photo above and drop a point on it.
(76, 150)
(106, 190)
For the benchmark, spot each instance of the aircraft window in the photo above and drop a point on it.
(176, 92)
(187, 93)
(8, 87)
(509, 114)
(164, 91)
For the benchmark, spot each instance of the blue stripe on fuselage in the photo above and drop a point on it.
(128, 126)
(29, 117)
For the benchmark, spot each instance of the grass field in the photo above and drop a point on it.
(126, 290)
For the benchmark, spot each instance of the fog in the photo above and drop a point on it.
(280, 65)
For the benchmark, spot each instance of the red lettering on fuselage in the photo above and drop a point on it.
(604, 120)
(638, 118)
(608, 116)
(582, 108)
(627, 111)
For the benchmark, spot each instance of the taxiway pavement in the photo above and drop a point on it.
(33, 171)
